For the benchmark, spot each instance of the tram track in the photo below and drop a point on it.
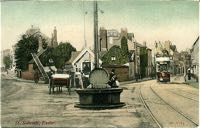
(163, 105)
(149, 110)
(183, 96)
(178, 111)
(182, 90)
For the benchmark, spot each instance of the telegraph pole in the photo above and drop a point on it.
(96, 44)
(84, 25)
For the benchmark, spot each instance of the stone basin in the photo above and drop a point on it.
(99, 98)
(100, 95)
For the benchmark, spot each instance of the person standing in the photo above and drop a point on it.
(36, 76)
(136, 77)
(189, 74)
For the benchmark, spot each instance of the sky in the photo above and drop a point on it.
(150, 20)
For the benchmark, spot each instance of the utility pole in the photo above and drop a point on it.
(96, 44)
(84, 25)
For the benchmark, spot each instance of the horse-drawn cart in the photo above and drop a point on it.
(58, 81)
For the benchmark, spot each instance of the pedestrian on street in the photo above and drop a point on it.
(136, 77)
(185, 77)
(113, 79)
(36, 76)
(189, 74)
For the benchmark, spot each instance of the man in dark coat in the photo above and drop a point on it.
(112, 79)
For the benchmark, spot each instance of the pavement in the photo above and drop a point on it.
(27, 105)
(134, 81)
(192, 82)
(177, 79)
(180, 80)
(174, 79)
(12, 75)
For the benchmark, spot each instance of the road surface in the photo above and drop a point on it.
(26, 104)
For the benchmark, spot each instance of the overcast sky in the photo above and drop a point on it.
(150, 21)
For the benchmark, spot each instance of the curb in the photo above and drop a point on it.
(121, 83)
(134, 81)
(29, 81)
(23, 80)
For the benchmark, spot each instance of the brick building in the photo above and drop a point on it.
(110, 38)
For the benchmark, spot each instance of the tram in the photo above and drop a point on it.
(163, 69)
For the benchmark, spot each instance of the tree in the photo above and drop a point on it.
(44, 43)
(124, 49)
(62, 53)
(7, 61)
(24, 47)
(143, 61)
(114, 52)
(46, 56)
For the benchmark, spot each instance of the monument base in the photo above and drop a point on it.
(99, 98)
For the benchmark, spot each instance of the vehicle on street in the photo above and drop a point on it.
(162, 69)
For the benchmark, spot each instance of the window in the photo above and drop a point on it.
(113, 58)
(86, 66)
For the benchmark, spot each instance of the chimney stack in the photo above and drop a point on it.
(124, 32)
(144, 43)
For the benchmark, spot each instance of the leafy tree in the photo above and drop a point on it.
(143, 61)
(24, 47)
(124, 49)
(116, 52)
(62, 53)
(44, 43)
(121, 55)
(45, 57)
(7, 61)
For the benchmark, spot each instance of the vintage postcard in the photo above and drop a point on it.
(100, 63)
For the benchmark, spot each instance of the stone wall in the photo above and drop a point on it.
(121, 71)
(27, 75)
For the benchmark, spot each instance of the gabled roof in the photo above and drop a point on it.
(82, 53)
(73, 56)
(77, 55)
(140, 45)
(197, 40)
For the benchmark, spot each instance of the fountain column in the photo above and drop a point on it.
(100, 94)
(96, 43)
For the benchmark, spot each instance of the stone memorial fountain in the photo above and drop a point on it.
(99, 95)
